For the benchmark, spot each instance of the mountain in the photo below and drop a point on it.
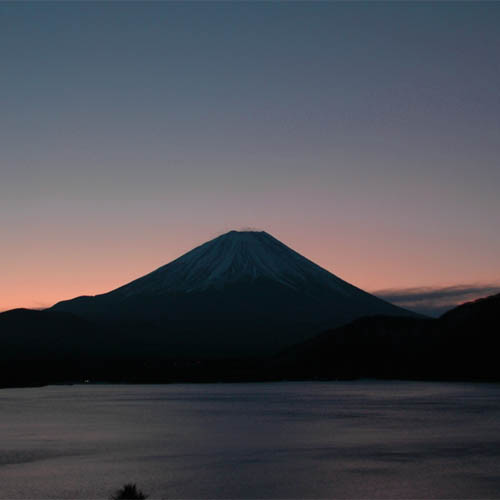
(482, 314)
(461, 344)
(240, 294)
(40, 347)
(27, 334)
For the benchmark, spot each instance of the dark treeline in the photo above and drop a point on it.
(462, 344)
(47, 347)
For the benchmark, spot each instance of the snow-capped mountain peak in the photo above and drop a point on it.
(242, 292)
(234, 257)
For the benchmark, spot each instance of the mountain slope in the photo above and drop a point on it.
(235, 257)
(40, 347)
(483, 312)
(461, 344)
(242, 293)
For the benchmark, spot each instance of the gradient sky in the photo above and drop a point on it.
(366, 136)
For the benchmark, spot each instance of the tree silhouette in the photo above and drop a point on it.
(129, 492)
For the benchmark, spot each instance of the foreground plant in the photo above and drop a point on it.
(129, 492)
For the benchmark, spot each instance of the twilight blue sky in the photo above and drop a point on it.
(364, 135)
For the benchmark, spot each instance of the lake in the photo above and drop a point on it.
(363, 439)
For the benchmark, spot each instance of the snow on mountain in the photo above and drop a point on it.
(235, 257)
(241, 293)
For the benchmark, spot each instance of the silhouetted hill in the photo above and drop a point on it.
(29, 334)
(40, 347)
(483, 313)
(43, 347)
(462, 344)
(377, 346)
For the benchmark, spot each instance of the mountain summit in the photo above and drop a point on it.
(243, 292)
(238, 257)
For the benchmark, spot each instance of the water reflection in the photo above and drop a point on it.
(279, 440)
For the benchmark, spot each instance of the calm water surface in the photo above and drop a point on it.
(275, 440)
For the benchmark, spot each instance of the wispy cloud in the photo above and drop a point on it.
(434, 301)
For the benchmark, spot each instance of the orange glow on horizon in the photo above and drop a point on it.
(40, 277)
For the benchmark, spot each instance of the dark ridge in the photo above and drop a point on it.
(462, 344)
(47, 347)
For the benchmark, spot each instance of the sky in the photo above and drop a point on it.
(366, 136)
